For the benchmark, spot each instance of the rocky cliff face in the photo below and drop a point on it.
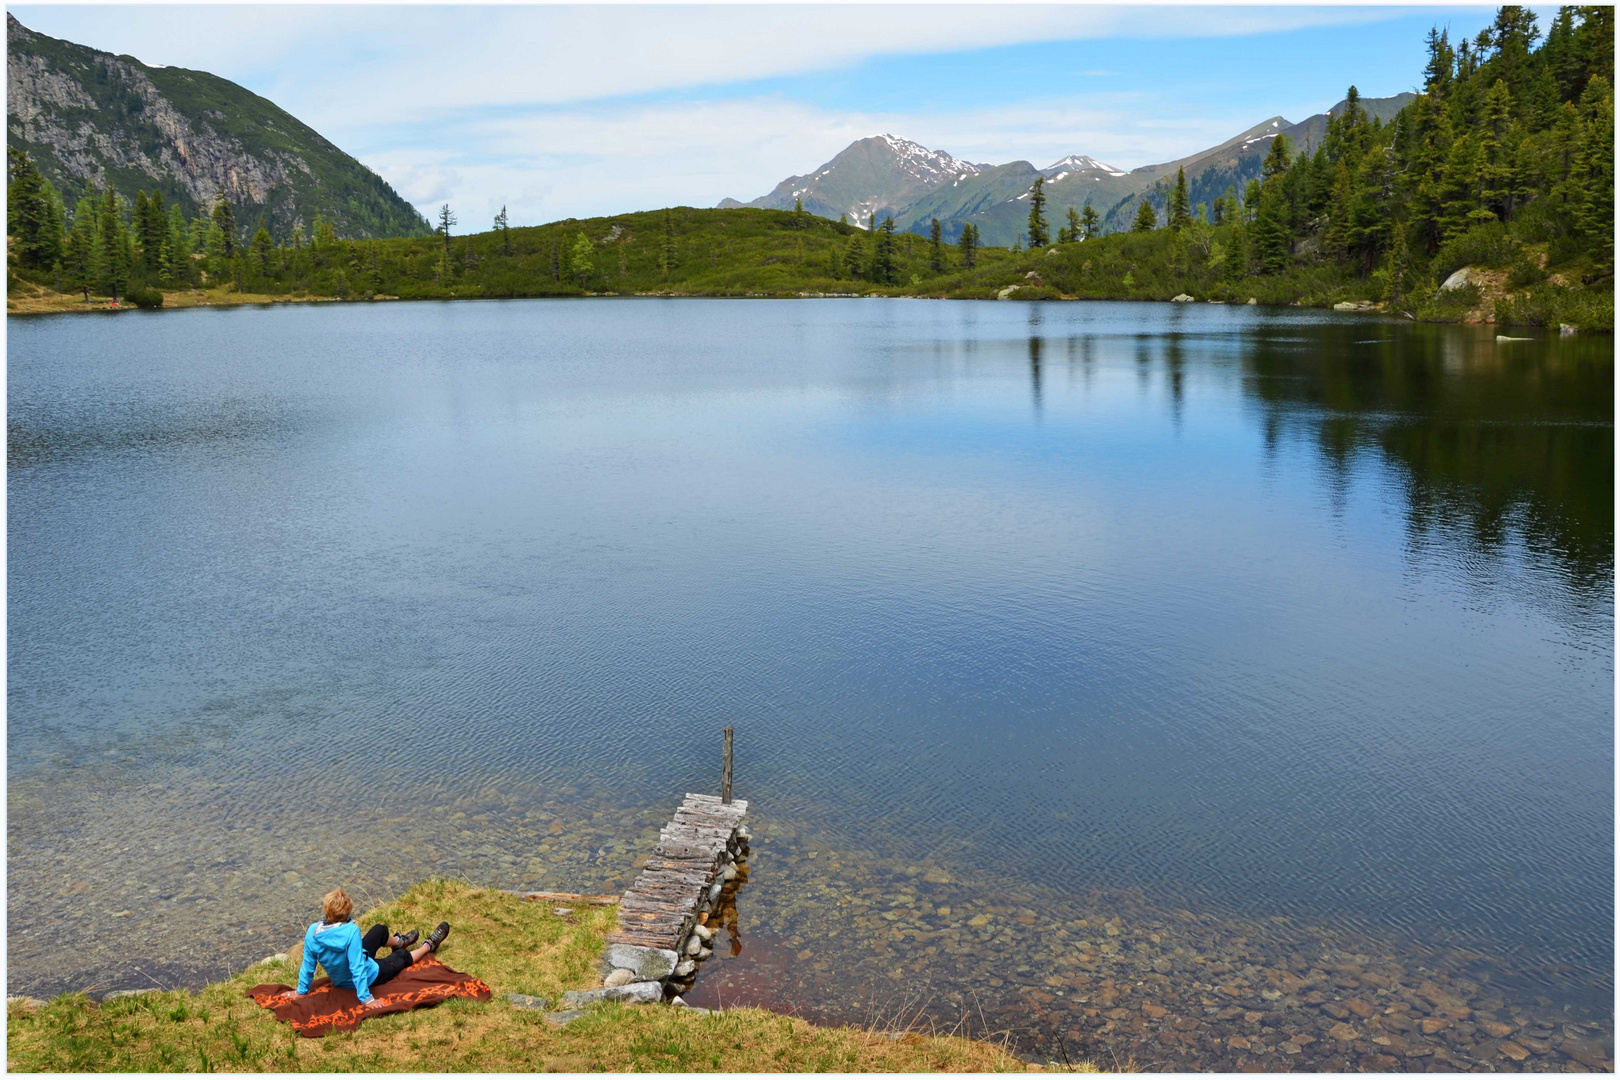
(93, 119)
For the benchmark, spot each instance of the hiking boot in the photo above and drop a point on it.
(436, 938)
(407, 940)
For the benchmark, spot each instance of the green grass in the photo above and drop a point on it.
(515, 947)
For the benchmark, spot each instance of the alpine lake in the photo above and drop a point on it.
(1191, 686)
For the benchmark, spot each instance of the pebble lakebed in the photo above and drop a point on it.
(821, 930)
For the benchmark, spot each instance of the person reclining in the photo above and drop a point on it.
(351, 960)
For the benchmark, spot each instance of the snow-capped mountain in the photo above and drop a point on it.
(885, 175)
(1078, 163)
(879, 175)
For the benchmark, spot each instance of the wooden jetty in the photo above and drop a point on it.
(683, 879)
(663, 934)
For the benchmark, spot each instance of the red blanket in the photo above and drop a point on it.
(327, 1008)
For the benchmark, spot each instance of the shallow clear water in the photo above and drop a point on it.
(1080, 612)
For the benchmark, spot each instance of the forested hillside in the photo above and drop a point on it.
(92, 121)
(1503, 165)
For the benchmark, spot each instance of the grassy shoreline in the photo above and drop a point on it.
(514, 946)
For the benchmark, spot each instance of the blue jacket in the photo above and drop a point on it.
(337, 947)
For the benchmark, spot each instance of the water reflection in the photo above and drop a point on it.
(1496, 444)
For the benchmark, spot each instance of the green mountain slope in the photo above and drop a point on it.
(89, 117)
(1235, 162)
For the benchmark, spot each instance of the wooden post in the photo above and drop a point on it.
(725, 771)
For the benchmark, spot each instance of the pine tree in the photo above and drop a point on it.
(1271, 236)
(884, 271)
(852, 256)
(1147, 219)
(506, 233)
(1593, 174)
(936, 247)
(81, 251)
(1038, 235)
(176, 253)
(112, 244)
(37, 240)
(224, 219)
(1235, 265)
(968, 244)
(801, 220)
(1180, 209)
(1497, 152)
(1089, 222)
(1072, 230)
(666, 258)
(262, 246)
(446, 219)
(1398, 266)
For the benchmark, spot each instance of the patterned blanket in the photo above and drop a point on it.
(327, 1008)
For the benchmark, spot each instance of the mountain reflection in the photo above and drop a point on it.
(1497, 442)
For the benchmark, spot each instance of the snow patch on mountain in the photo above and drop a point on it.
(1076, 163)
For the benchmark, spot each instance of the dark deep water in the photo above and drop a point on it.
(1266, 634)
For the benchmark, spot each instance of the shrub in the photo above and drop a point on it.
(1483, 245)
(1525, 273)
(143, 296)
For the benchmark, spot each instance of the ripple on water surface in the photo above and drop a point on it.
(1238, 629)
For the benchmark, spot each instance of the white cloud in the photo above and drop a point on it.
(535, 106)
(342, 66)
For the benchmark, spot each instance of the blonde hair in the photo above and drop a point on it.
(336, 905)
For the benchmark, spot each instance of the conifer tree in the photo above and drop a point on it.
(801, 220)
(1398, 266)
(968, 244)
(262, 246)
(224, 219)
(1235, 265)
(1074, 229)
(1180, 209)
(176, 254)
(446, 219)
(667, 259)
(1089, 222)
(936, 247)
(1038, 235)
(501, 226)
(884, 271)
(1271, 237)
(852, 256)
(36, 237)
(112, 244)
(1147, 219)
(1593, 173)
(80, 252)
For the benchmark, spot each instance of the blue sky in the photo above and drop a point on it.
(573, 111)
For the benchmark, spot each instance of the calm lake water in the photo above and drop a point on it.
(1086, 660)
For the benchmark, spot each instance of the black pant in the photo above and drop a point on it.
(390, 965)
